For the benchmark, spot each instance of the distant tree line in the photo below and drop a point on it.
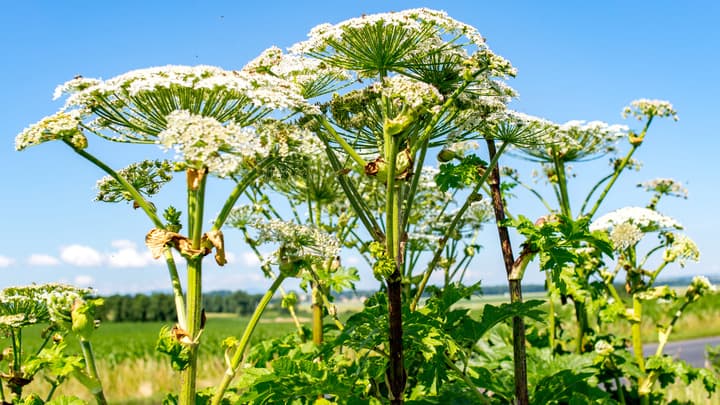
(161, 306)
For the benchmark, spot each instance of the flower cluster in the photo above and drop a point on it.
(645, 108)
(699, 286)
(625, 235)
(574, 140)
(27, 305)
(288, 139)
(681, 248)
(646, 220)
(204, 141)
(62, 125)
(312, 76)
(665, 186)
(408, 93)
(262, 89)
(298, 242)
(146, 177)
(415, 20)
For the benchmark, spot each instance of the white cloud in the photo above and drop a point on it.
(127, 255)
(82, 256)
(6, 261)
(42, 260)
(250, 259)
(123, 244)
(83, 281)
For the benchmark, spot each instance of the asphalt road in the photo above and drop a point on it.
(692, 351)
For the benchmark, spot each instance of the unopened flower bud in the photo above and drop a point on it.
(446, 155)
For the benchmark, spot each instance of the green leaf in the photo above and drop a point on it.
(567, 386)
(168, 344)
(493, 315)
(66, 401)
(466, 173)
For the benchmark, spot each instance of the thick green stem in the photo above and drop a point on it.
(396, 374)
(443, 241)
(196, 199)
(244, 341)
(91, 368)
(562, 185)
(194, 315)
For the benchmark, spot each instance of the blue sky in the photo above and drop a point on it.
(576, 60)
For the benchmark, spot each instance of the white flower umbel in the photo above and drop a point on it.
(408, 93)
(322, 36)
(665, 186)
(301, 242)
(645, 108)
(645, 219)
(62, 125)
(312, 76)
(204, 141)
(133, 106)
(625, 235)
(681, 248)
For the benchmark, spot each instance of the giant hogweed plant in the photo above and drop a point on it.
(227, 124)
(571, 143)
(419, 80)
(573, 251)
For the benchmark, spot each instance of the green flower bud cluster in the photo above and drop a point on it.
(146, 177)
(384, 265)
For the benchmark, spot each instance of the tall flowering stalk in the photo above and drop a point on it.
(573, 142)
(220, 123)
(626, 228)
(415, 80)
